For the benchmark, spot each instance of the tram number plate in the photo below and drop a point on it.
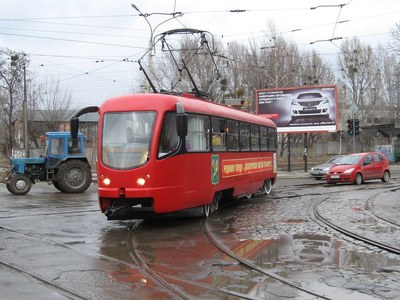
(335, 176)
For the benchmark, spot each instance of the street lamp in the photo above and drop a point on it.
(150, 47)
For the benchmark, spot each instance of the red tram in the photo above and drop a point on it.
(160, 153)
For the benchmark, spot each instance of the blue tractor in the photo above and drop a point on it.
(64, 165)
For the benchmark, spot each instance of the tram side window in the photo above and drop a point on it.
(169, 138)
(272, 139)
(255, 138)
(244, 137)
(197, 138)
(218, 139)
(263, 138)
(232, 135)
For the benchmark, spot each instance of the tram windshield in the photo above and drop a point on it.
(126, 138)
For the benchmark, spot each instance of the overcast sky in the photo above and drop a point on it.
(91, 46)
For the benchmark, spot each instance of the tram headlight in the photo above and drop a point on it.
(106, 181)
(141, 181)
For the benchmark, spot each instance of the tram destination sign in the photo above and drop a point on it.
(300, 109)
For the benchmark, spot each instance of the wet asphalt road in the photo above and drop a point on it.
(58, 246)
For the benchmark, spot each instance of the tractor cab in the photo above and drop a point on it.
(60, 147)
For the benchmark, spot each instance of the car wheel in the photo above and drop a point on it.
(386, 176)
(358, 179)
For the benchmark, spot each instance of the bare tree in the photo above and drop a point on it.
(189, 59)
(360, 74)
(12, 66)
(277, 58)
(386, 93)
(48, 108)
(395, 43)
(314, 71)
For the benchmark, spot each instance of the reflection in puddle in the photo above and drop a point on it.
(310, 249)
(180, 253)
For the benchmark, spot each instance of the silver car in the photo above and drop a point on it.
(309, 104)
(319, 171)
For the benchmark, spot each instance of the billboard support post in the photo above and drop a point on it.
(288, 153)
(305, 152)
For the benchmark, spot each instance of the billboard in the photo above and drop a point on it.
(300, 109)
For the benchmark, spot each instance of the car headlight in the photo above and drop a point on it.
(348, 171)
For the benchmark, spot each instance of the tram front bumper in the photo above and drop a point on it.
(158, 200)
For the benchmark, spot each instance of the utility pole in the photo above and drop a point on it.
(150, 46)
(25, 113)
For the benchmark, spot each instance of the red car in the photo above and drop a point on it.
(359, 167)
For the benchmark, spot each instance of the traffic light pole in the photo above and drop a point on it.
(354, 126)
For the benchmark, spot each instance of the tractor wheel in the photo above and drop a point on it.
(20, 184)
(73, 176)
(57, 186)
(8, 187)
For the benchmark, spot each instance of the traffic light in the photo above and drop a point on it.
(356, 126)
(350, 126)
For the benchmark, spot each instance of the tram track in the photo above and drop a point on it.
(72, 294)
(172, 290)
(369, 205)
(49, 214)
(254, 267)
(65, 292)
(162, 278)
(166, 282)
(356, 236)
(169, 281)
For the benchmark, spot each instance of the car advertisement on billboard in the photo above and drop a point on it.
(300, 109)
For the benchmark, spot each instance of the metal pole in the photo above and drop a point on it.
(150, 59)
(305, 152)
(354, 133)
(288, 136)
(25, 111)
(150, 47)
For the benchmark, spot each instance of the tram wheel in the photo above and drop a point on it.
(215, 204)
(206, 210)
(267, 186)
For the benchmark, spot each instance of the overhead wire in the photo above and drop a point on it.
(43, 21)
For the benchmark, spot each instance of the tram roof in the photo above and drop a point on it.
(166, 102)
